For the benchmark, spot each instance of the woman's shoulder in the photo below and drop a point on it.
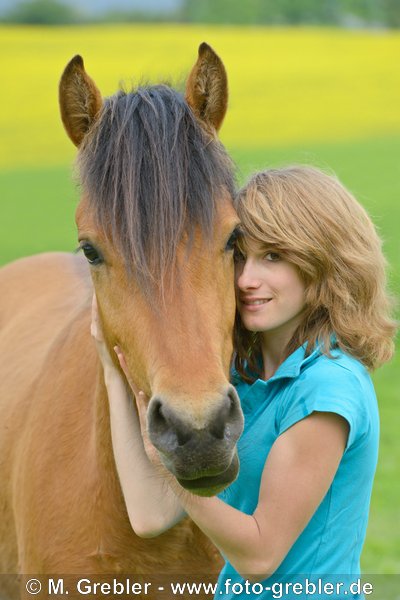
(338, 368)
(337, 383)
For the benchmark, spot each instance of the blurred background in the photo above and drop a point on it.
(311, 81)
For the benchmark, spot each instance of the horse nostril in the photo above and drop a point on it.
(165, 428)
(235, 411)
(218, 424)
(156, 417)
(168, 431)
(228, 421)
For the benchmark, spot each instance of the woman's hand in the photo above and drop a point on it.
(112, 375)
(142, 402)
(97, 334)
(152, 506)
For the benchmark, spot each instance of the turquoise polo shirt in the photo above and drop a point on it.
(330, 546)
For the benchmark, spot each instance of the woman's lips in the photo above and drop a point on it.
(254, 304)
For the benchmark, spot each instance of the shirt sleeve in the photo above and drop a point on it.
(333, 389)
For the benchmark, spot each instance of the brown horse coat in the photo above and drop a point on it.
(62, 508)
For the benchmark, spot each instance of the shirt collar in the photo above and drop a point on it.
(290, 368)
(292, 365)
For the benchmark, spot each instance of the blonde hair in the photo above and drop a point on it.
(320, 227)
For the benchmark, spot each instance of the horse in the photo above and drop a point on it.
(156, 227)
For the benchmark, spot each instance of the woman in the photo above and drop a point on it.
(312, 319)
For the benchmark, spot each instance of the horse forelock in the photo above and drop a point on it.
(152, 174)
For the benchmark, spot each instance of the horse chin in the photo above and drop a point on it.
(212, 484)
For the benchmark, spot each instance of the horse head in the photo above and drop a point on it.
(157, 225)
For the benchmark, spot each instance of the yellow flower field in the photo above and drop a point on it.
(286, 85)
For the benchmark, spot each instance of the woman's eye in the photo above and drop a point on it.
(272, 256)
(91, 254)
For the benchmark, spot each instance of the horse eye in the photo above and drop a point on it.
(91, 254)
(231, 243)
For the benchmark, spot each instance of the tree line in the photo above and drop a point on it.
(347, 13)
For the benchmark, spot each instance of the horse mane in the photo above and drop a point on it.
(152, 174)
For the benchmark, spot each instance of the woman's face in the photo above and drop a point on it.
(269, 291)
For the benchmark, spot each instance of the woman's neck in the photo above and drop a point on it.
(271, 361)
(274, 346)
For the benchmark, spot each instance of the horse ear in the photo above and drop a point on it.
(207, 88)
(80, 100)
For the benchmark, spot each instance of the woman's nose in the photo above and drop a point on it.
(246, 275)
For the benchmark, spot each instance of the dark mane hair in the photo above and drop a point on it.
(152, 174)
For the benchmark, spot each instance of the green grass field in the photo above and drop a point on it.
(324, 97)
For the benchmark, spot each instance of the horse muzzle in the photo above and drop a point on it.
(203, 459)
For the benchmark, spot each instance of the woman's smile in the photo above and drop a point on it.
(270, 291)
(253, 304)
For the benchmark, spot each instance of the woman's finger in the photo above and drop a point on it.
(141, 402)
(95, 328)
(94, 314)
(124, 367)
(151, 451)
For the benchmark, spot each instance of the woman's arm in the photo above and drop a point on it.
(152, 506)
(297, 474)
